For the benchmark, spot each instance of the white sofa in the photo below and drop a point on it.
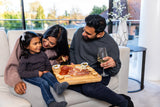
(118, 83)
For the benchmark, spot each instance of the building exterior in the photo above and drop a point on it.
(132, 7)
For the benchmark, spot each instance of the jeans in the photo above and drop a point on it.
(44, 82)
(99, 91)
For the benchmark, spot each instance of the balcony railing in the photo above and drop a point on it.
(39, 24)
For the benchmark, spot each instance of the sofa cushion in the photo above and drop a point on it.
(7, 99)
(34, 96)
(76, 99)
(4, 51)
(70, 33)
(114, 83)
(73, 97)
(124, 71)
(92, 103)
(3, 86)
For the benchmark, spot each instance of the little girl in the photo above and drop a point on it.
(34, 67)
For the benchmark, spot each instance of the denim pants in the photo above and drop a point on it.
(44, 83)
(99, 91)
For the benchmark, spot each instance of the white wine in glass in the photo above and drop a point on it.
(100, 55)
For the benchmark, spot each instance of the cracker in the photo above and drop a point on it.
(64, 60)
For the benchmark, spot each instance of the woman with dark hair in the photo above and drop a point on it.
(54, 44)
(34, 67)
(55, 39)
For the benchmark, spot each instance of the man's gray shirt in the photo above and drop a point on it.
(86, 51)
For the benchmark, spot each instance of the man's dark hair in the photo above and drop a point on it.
(97, 22)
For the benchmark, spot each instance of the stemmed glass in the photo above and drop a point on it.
(100, 55)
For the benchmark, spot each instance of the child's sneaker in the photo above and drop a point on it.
(58, 104)
(60, 87)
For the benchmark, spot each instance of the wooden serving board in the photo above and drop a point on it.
(93, 76)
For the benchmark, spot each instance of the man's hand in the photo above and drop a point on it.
(109, 63)
(72, 63)
(20, 88)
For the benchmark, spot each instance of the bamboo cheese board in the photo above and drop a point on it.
(75, 74)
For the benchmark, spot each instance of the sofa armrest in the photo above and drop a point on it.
(124, 71)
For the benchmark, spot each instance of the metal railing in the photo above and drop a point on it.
(10, 24)
(39, 24)
(133, 27)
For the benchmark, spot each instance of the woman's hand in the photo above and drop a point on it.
(62, 58)
(109, 62)
(40, 73)
(65, 58)
(20, 88)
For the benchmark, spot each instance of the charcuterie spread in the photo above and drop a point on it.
(76, 74)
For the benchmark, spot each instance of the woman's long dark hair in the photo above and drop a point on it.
(25, 40)
(60, 33)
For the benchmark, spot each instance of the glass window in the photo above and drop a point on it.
(10, 15)
(40, 14)
(68, 13)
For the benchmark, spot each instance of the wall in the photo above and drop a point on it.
(150, 37)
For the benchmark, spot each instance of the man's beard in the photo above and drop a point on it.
(85, 38)
(88, 39)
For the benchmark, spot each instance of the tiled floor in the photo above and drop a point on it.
(150, 95)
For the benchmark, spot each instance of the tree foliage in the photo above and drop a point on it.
(12, 24)
(34, 6)
(98, 10)
(39, 15)
(36, 11)
(52, 13)
(75, 14)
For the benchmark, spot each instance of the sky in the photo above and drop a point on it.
(84, 6)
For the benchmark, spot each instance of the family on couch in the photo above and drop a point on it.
(83, 48)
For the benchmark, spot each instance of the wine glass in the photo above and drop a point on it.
(100, 55)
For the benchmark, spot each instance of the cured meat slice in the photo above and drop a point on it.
(83, 72)
(78, 72)
(71, 72)
(65, 69)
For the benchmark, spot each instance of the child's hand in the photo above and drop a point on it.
(40, 73)
(45, 71)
